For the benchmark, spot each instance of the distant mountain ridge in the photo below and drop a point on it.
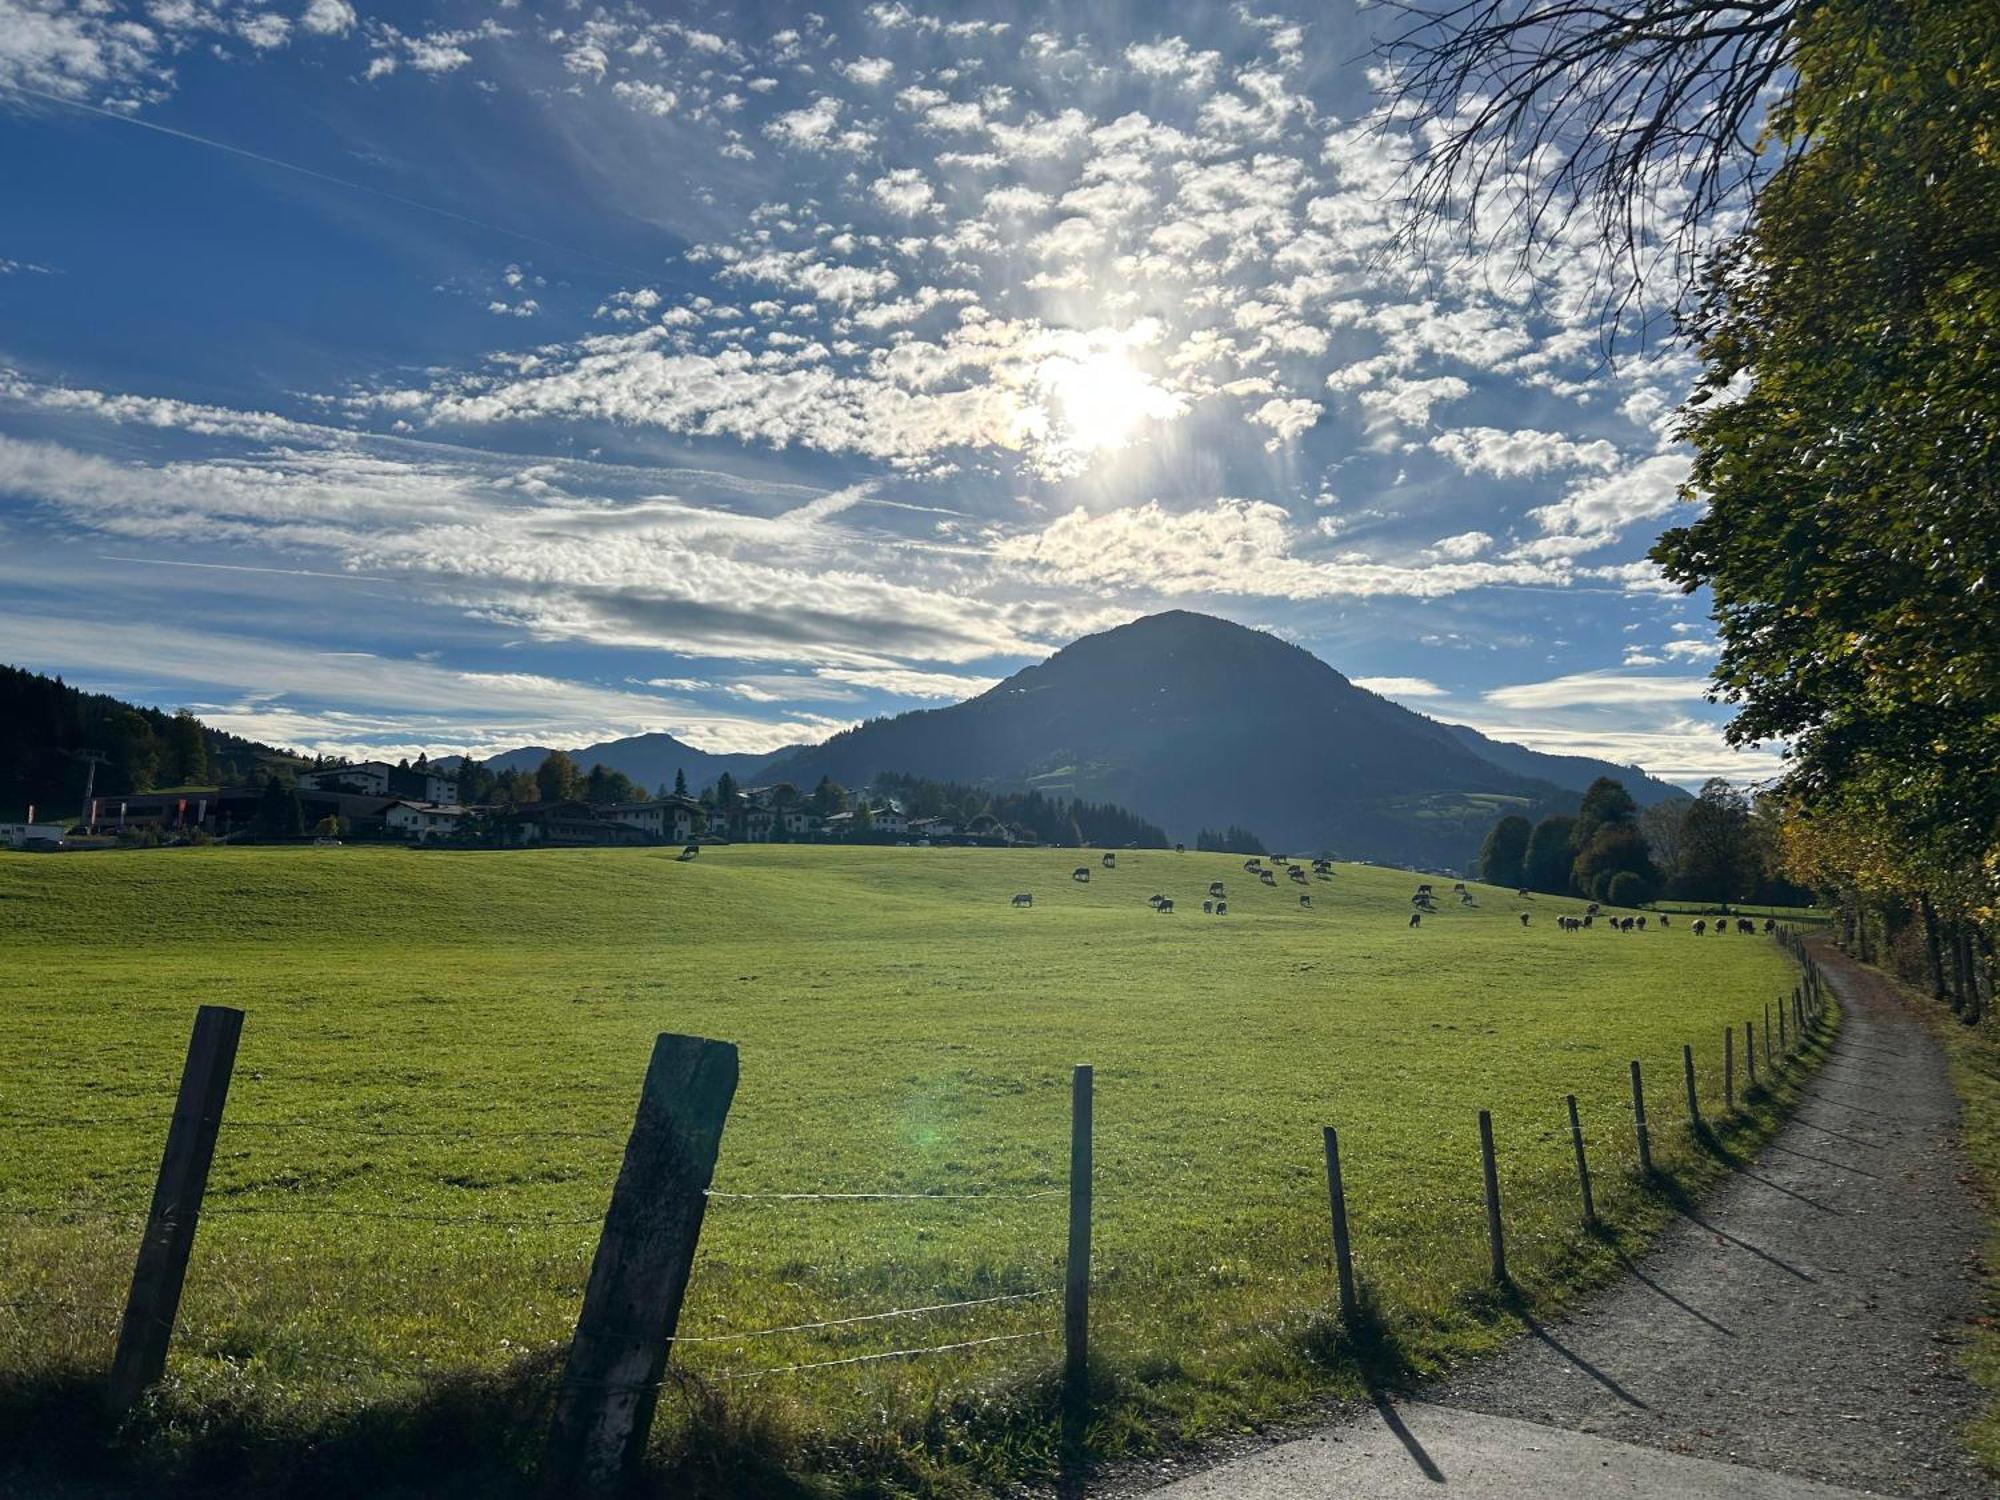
(1189, 721)
(649, 759)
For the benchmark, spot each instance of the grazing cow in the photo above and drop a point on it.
(1154, 901)
(1770, 925)
(1269, 877)
(1180, 848)
(1207, 907)
(1298, 875)
(1424, 889)
(1663, 920)
(1465, 898)
(1626, 925)
(1023, 898)
(690, 851)
(1745, 925)
(1460, 887)
(1524, 919)
(1253, 865)
(1222, 908)
(1110, 861)
(1164, 906)
(1523, 894)
(1416, 918)
(1592, 910)
(1081, 874)
(1305, 899)
(1215, 888)
(1699, 927)
(1588, 918)
(1642, 924)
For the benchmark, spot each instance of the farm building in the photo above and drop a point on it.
(672, 820)
(423, 821)
(378, 778)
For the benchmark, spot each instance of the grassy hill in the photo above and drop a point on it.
(443, 1051)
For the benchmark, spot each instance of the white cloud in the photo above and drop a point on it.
(1492, 450)
(1596, 510)
(1400, 687)
(1171, 57)
(867, 71)
(903, 191)
(1597, 687)
(328, 17)
(1462, 547)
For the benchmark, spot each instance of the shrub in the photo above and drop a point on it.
(1628, 888)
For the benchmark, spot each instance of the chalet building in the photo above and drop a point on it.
(378, 778)
(423, 822)
(671, 820)
(574, 825)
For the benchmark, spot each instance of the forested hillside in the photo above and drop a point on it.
(50, 732)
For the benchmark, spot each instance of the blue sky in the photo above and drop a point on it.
(375, 378)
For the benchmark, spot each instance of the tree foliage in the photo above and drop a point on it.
(1550, 855)
(1503, 857)
(1231, 840)
(1847, 441)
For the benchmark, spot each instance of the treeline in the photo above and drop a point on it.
(50, 733)
(1232, 840)
(557, 779)
(1717, 847)
(1053, 820)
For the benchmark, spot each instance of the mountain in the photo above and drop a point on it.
(649, 759)
(1571, 772)
(1195, 722)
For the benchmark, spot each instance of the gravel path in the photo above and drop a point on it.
(1802, 1321)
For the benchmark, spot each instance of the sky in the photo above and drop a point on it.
(455, 377)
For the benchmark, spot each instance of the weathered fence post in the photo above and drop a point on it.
(1694, 1103)
(1076, 1284)
(1343, 1253)
(1582, 1166)
(1639, 1121)
(1799, 1010)
(1729, 1070)
(1492, 1171)
(161, 1270)
(639, 1276)
(1750, 1050)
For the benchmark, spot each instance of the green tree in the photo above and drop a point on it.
(1547, 865)
(279, 815)
(557, 779)
(1846, 435)
(135, 752)
(1605, 801)
(827, 799)
(680, 783)
(728, 808)
(1617, 848)
(1503, 857)
(1719, 848)
(1628, 888)
(477, 785)
(185, 751)
(604, 786)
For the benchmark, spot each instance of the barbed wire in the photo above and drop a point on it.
(988, 1194)
(323, 1127)
(862, 1359)
(900, 1312)
(286, 1210)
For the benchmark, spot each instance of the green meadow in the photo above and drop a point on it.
(443, 1050)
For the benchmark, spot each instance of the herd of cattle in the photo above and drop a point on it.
(1217, 903)
(1424, 901)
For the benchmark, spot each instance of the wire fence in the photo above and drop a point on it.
(1537, 1210)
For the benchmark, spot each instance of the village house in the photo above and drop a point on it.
(671, 820)
(573, 825)
(378, 778)
(423, 821)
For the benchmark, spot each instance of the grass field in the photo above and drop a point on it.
(443, 1051)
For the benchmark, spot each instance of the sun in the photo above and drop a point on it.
(1098, 399)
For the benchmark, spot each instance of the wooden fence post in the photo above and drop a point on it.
(1076, 1283)
(1639, 1121)
(1343, 1252)
(1694, 1103)
(1582, 1166)
(1492, 1171)
(1729, 1070)
(161, 1269)
(639, 1276)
